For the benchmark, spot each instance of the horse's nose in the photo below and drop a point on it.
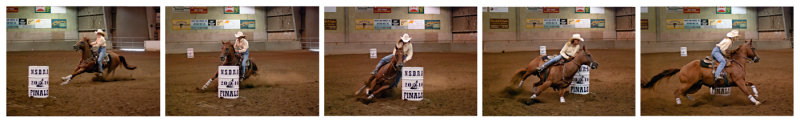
(594, 65)
(756, 59)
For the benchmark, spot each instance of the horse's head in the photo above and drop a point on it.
(81, 44)
(227, 50)
(583, 57)
(747, 50)
(398, 55)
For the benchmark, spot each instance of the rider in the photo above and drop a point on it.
(719, 52)
(241, 48)
(567, 52)
(408, 50)
(100, 44)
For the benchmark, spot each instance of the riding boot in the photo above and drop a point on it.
(718, 78)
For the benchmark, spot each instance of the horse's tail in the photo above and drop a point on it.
(518, 75)
(663, 74)
(125, 63)
(253, 66)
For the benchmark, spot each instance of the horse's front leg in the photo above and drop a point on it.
(378, 91)
(364, 85)
(67, 78)
(209, 80)
(741, 83)
(753, 86)
(563, 92)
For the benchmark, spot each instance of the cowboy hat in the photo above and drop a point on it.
(406, 38)
(100, 31)
(576, 36)
(239, 34)
(733, 33)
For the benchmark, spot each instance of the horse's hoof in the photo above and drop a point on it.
(64, 83)
(758, 103)
(562, 100)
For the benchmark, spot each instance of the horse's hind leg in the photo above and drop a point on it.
(524, 76)
(538, 91)
(696, 87)
(681, 91)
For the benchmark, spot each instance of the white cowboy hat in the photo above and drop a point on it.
(239, 34)
(100, 31)
(576, 36)
(406, 38)
(733, 33)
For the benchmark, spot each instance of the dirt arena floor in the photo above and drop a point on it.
(287, 84)
(450, 86)
(772, 76)
(129, 93)
(612, 89)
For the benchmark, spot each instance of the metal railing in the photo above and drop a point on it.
(557, 40)
(128, 43)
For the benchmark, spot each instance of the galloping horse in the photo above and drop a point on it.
(229, 57)
(558, 76)
(88, 62)
(386, 76)
(694, 75)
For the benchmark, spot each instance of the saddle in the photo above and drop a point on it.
(547, 58)
(709, 62)
(106, 61)
(546, 71)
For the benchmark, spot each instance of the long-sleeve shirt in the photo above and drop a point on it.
(241, 46)
(101, 41)
(569, 50)
(724, 45)
(408, 49)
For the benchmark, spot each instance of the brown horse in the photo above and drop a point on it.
(386, 76)
(229, 57)
(559, 76)
(88, 62)
(693, 76)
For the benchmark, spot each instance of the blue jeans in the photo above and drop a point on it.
(551, 61)
(101, 53)
(245, 56)
(717, 54)
(385, 60)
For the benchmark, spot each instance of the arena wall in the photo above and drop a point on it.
(34, 39)
(519, 38)
(346, 39)
(267, 19)
(657, 38)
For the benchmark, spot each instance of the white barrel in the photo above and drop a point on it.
(38, 81)
(373, 53)
(412, 81)
(580, 82)
(228, 84)
(720, 91)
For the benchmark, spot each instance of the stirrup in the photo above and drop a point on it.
(539, 69)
